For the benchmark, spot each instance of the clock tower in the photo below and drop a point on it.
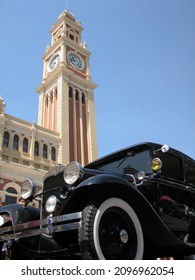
(66, 94)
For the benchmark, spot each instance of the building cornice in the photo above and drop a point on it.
(68, 74)
(19, 172)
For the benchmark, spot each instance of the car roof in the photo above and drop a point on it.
(140, 146)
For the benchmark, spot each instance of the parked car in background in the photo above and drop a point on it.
(136, 203)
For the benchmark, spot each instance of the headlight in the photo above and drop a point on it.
(141, 175)
(27, 189)
(50, 204)
(73, 172)
(156, 164)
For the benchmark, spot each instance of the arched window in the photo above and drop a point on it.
(16, 142)
(9, 199)
(44, 151)
(6, 139)
(53, 153)
(36, 149)
(25, 145)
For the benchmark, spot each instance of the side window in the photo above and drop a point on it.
(172, 167)
(189, 173)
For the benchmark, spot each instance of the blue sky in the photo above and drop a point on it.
(143, 60)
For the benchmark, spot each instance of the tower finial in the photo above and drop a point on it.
(66, 5)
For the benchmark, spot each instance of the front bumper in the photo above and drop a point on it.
(46, 226)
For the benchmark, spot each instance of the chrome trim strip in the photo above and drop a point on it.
(46, 226)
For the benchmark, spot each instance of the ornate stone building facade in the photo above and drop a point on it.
(66, 127)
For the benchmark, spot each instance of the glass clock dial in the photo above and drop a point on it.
(54, 62)
(76, 61)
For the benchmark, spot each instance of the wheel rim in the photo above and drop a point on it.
(117, 232)
(117, 235)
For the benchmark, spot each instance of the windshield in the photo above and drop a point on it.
(132, 163)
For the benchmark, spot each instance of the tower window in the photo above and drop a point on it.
(36, 150)
(71, 34)
(83, 99)
(70, 92)
(46, 102)
(77, 96)
(6, 139)
(71, 37)
(16, 142)
(25, 145)
(44, 151)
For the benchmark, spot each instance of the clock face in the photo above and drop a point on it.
(54, 62)
(76, 61)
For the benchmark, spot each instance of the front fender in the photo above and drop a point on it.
(19, 213)
(103, 185)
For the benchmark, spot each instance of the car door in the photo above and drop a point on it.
(173, 194)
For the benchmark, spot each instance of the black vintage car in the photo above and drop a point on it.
(137, 203)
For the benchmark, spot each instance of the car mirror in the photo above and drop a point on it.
(163, 149)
